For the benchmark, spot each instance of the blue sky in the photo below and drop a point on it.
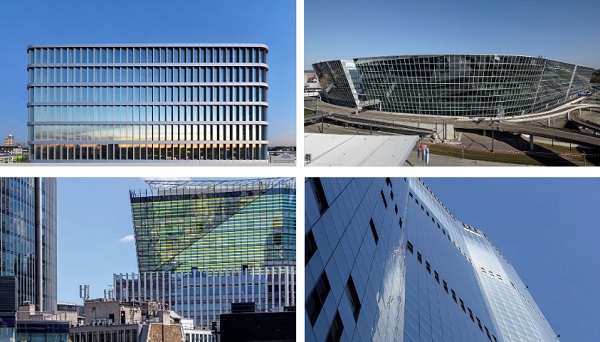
(548, 229)
(271, 22)
(94, 215)
(346, 29)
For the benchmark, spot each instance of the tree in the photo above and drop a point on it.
(595, 76)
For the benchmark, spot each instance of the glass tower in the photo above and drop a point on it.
(141, 102)
(387, 261)
(180, 225)
(460, 85)
(28, 238)
(203, 245)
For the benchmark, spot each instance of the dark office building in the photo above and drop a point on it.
(28, 239)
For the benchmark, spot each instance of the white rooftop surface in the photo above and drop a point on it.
(358, 150)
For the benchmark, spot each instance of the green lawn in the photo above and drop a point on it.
(454, 152)
(308, 111)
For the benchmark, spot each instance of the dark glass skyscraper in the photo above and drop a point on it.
(387, 261)
(456, 85)
(148, 102)
(28, 238)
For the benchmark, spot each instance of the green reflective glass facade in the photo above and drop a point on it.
(215, 225)
(185, 102)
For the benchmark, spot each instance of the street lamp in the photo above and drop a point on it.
(317, 111)
(419, 113)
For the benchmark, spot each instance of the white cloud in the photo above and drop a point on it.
(127, 239)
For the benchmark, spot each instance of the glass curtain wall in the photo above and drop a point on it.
(145, 103)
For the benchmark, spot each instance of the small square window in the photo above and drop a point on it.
(419, 258)
(319, 193)
(437, 276)
(336, 328)
(317, 298)
(445, 286)
(409, 246)
(353, 298)
(374, 231)
(383, 198)
(310, 246)
(428, 267)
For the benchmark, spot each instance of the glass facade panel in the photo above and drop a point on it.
(215, 225)
(433, 279)
(98, 86)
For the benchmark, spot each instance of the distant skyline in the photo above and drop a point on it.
(269, 22)
(347, 29)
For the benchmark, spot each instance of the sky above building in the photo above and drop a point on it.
(548, 229)
(346, 29)
(270, 22)
(95, 233)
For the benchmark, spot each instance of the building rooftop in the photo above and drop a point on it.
(358, 150)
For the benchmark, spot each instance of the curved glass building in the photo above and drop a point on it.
(463, 85)
(148, 102)
(387, 261)
(28, 239)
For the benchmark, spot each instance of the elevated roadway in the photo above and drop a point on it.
(578, 119)
(534, 130)
(519, 124)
